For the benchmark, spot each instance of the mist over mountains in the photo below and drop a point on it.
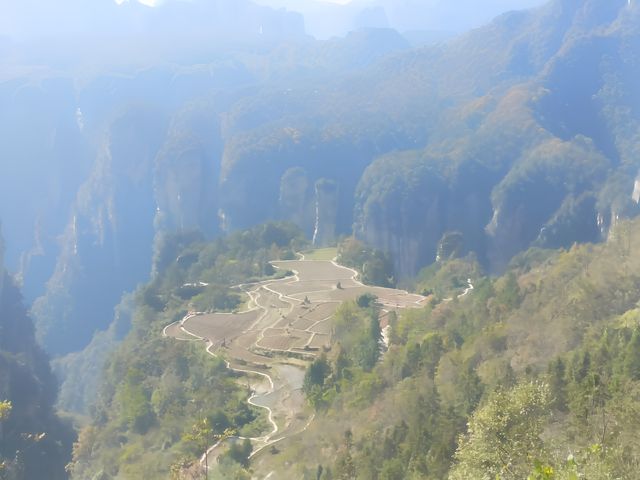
(85, 35)
(124, 125)
(254, 135)
(326, 19)
(108, 20)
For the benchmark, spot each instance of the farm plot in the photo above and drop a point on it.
(319, 341)
(316, 270)
(269, 297)
(298, 289)
(337, 295)
(220, 326)
(285, 342)
(320, 311)
(246, 340)
(397, 298)
(308, 315)
(323, 327)
(301, 324)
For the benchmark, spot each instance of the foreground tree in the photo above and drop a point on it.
(503, 439)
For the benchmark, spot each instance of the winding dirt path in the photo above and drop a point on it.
(286, 324)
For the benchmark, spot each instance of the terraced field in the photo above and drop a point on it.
(287, 324)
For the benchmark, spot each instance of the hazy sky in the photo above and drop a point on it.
(323, 18)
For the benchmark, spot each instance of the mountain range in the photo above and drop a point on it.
(521, 133)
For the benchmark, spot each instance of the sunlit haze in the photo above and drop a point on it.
(319, 239)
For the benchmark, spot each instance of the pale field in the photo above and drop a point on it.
(321, 254)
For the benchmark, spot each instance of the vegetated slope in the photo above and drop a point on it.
(530, 375)
(163, 402)
(34, 443)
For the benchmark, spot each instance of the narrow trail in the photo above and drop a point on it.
(267, 439)
(464, 293)
(263, 439)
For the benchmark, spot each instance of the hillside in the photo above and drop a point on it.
(34, 442)
(530, 375)
(164, 401)
(520, 133)
(527, 375)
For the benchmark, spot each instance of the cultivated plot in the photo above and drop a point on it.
(217, 327)
(291, 319)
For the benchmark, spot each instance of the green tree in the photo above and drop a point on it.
(508, 291)
(632, 356)
(240, 452)
(469, 388)
(558, 384)
(313, 385)
(366, 300)
(136, 408)
(5, 412)
(431, 349)
(316, 373)
(345, 466)
(366, 351)
(503, 439)
(392, 470)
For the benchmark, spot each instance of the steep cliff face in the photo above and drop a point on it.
(186, 172)
(107, 243)
(406, 204)
(533, 200)
(39, 133)
(313, 207)
(326, 212)
(2, 248)
(296, 201)
(256, 167)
